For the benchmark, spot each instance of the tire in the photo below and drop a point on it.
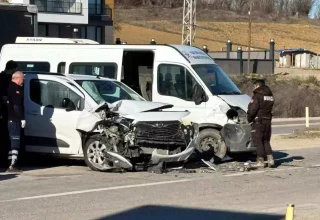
(212, 144)
(93, 150)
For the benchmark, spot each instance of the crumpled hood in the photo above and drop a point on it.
(129, 107)
(241, 101)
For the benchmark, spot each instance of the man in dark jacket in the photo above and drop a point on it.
(16, 119)
(5, 78)
(260, 115)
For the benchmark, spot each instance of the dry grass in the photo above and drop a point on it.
(167, 29)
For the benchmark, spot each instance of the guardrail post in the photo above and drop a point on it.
(307, 118)
(290, 212)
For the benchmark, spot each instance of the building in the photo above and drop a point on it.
(89, 19)
(298, 58)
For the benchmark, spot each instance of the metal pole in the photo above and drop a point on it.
(307, 117)
(249, 41)
(271, 54)
(229, 48)
(240, 59)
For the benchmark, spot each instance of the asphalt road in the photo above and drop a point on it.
(290, 128)
(53, 190)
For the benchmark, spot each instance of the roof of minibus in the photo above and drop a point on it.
(193, 55)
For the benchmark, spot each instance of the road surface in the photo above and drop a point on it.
(49, 190)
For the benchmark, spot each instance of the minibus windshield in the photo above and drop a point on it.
(108, 91)
(216, 79)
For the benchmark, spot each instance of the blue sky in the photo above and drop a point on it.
(314, 8)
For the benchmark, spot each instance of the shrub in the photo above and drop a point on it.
(291, 95)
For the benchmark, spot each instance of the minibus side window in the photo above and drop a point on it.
(176, 81)
(33, 66)
(102, 69)
(61, 67)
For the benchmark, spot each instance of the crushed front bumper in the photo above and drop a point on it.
(238, 138)
(191, 135)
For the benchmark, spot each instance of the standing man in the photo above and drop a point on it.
(260, 115)
(5, 78)
(16, 119)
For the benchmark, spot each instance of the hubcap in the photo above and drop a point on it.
(96, 154)
(209, 144)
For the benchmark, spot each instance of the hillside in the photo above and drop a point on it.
(215, 28)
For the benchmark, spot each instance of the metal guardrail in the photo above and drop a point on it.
(65, 7)
(100, 9)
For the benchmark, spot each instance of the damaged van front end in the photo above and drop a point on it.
(237, 131)
(131, 134)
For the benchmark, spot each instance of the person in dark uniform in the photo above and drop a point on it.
(260, 115)
(16, 119)
(5, 78)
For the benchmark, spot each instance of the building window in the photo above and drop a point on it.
(95, 7)
(92, 33)
(42, 30)
(53, 30)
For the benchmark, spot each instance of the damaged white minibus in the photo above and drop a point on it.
(183, 76)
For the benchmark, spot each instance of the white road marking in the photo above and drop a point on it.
(261, 171)
(95, 190)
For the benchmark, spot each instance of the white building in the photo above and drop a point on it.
(89, 19)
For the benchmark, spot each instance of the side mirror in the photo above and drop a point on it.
(68, 104)
(199, 95)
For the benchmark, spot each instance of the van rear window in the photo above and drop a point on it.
(102, 69)
(33, 66)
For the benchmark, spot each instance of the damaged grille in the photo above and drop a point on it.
(158, 132)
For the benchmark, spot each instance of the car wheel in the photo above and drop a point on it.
(94, 154)
(212, 144)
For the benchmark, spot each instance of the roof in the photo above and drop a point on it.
(295, 50)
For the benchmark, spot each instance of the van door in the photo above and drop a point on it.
(50, 127)
(174, 84)
(102, 62)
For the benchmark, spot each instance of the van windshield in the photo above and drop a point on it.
(108, 91)
(217, 81)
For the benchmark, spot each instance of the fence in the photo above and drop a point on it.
(236, 62)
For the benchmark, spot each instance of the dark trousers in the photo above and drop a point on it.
(261, 135)
(14, 128)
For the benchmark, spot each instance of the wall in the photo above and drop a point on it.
(232, 66)
(302, 60)
(234, 54)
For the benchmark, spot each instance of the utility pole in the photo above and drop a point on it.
(189, 22)
(249, 40)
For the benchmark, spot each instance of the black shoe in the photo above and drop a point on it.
(13, 169)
